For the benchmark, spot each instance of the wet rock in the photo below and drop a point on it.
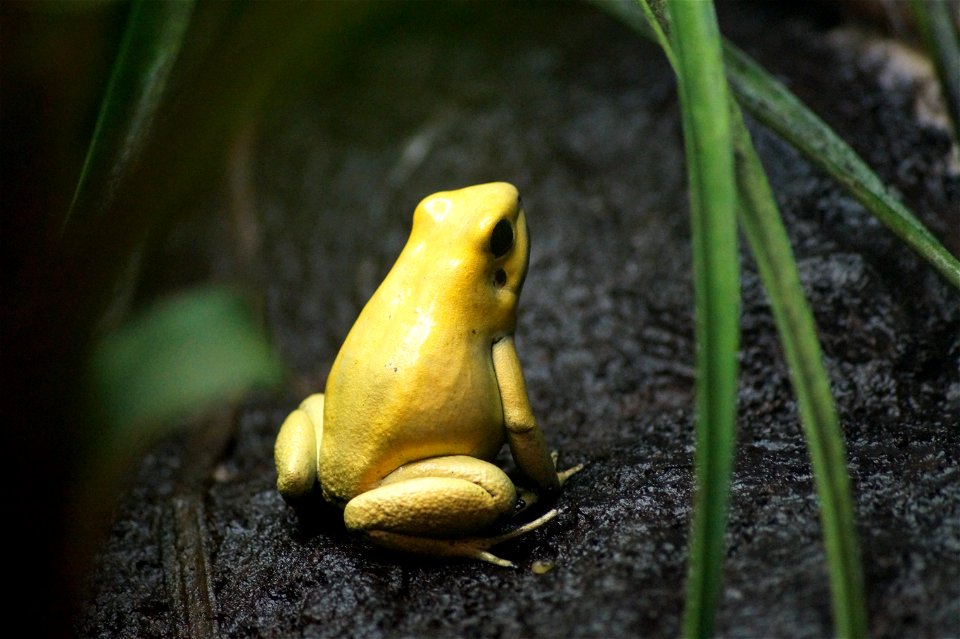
(581, 114)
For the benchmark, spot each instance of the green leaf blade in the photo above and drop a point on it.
(696, 45)
(773, 105)
(768, 241)
(776, 107)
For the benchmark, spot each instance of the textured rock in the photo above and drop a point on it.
(581, 114)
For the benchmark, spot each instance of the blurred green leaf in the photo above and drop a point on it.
(710, 172)
(938, 31)
(184, 353)
(151, 42)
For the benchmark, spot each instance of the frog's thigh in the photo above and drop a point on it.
(443, 497)
(296, 451)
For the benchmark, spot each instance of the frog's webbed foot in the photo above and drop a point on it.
(468, 547)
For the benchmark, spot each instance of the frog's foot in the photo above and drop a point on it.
(296, 450)
(527, 497)
(564, 475)
(469, 547)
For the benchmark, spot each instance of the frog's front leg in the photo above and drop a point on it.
(297, 450)
(436, 506)
(527, 444)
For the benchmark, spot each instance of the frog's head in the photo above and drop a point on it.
(479, 244)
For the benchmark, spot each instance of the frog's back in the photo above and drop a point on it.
(408, 384)
(414, 378)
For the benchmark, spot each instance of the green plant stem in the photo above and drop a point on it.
(767, 238)
(716, 286)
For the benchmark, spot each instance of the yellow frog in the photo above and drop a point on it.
(426, 389)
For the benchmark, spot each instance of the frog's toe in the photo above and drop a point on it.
(564, 475)
(468, 547)
(521, 530)
(484, 543)
(493, 559)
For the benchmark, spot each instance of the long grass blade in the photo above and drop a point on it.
(774, 105)
(768, 241)
(151, 42)
(696, 42)
(656, 14)
(767, 238)
(771, 103)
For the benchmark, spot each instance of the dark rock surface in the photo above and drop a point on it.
(581, 114)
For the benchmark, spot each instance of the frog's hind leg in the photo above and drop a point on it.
(437, 506)
(298, 448)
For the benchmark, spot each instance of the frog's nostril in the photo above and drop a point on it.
(500, 277)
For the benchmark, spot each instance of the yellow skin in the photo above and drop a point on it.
(427, 388)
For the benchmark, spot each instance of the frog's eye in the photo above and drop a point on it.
(501, 239)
